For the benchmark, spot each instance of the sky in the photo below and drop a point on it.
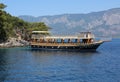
(56, 7)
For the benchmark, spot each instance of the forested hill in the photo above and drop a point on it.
(11, 26)
(103, 23)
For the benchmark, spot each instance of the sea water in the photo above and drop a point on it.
(22, 64)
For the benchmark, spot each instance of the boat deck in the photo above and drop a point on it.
(62, 44)
(54, 44)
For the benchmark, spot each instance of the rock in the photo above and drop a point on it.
(13, 42)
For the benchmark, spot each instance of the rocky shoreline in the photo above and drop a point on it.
(14, 42)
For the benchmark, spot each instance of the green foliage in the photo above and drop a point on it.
(39, 26)
(11, 26)
(2, 6)
(3, 35)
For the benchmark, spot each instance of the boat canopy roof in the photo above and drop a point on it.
(85, 32)
(40, 32)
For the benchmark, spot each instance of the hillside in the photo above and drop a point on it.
(104, 22)
(11, 26)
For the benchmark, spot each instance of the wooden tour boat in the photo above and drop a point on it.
(83, 41)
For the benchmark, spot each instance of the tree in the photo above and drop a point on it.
(2, 30)
(2, 6)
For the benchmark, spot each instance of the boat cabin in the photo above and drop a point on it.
(86, 37)
(45, 37)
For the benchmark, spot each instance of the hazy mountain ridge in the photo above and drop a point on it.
(103, 22)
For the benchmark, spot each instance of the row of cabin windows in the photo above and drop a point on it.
(63, 41)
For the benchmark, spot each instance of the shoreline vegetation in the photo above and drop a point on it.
(16, 32)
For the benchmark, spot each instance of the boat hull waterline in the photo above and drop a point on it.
(66, 46)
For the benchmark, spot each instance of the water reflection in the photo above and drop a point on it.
(62, 62)
(82, 57)
(3, 64)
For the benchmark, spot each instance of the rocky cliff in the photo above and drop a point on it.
(14, 42)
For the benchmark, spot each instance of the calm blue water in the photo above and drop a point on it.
(25, 65)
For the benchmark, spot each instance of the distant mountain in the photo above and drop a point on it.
(104, 22)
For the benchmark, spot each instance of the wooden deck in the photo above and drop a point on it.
(54, 44)
(63, 44)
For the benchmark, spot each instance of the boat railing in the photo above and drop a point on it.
(69, 37)
(60, 43)
(61, 37)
